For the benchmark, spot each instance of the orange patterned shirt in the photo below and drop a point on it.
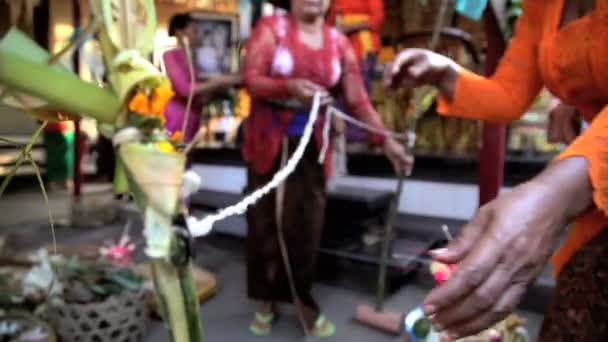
(571, 62)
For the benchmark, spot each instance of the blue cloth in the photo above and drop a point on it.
(472, 9)
(297, 124)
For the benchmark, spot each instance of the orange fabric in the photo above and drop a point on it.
(593, 146)
(370, 12)
(543, 55)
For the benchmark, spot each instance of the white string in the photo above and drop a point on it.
(397, 136)
(202, 227)
(409, 137)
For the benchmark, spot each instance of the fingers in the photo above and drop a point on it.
(464, 242)
(402, 162)
(398, 71)
(496, 313)
(403, 165)
(470, 274)
(477, 303)
(327, 100)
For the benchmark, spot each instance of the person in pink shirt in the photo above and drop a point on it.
(176, 65)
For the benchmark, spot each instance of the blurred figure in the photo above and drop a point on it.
(176, 64)
(289, 59)
(564, 123)
(361, 22)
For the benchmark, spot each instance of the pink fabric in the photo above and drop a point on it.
(275, 55)
(176, 64)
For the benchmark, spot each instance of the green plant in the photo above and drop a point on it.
(151, 164)
(85, 282)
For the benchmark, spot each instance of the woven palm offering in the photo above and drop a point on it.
(419, 329)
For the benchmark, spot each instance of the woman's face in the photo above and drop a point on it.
(188, 32)
(314, 8)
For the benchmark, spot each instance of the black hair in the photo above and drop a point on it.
(179, 22)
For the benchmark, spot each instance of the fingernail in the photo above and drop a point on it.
(454, 336)
(439, 251)
(438, 327)
(429, 310)
(444, 338)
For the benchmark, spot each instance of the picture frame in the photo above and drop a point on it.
(216, 48)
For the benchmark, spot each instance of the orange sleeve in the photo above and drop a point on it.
(376, 14)
(593, 146)
(506, 95)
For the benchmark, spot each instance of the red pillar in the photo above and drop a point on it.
(78, 138)
(492, 153)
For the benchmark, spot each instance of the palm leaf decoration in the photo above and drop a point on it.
(132, 108)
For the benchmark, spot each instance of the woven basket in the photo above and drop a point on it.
(120, 318)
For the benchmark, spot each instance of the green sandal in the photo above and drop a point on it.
(324, 328)
(262, 324)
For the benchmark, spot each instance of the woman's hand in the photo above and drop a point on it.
(218, 84)
(304, 91)
(416, 67)
(562, 124)
(505, 247)
(395, 152)
(231, 80)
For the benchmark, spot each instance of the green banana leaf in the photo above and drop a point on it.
(129, 69)
(156, 176)
(130, 25)
(24, 68)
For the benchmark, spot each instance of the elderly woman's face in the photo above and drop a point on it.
(310, 7)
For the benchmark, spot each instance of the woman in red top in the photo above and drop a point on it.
(289, 59)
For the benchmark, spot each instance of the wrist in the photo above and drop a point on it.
(567, 182)
(289, 85)
(447, 81)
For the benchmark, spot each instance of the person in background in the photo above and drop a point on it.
(564, 123)
(59, 149)
(289, 59)
(361, 22)
(176, 65)
(560, 45)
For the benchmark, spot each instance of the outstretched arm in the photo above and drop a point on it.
(503, 97)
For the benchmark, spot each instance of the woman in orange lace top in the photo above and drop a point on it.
(560, 45)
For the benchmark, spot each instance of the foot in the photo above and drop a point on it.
(262, 324)
(323, 328)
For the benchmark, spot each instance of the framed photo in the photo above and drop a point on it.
(216, 49)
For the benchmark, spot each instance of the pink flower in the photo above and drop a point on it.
(120, 254)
